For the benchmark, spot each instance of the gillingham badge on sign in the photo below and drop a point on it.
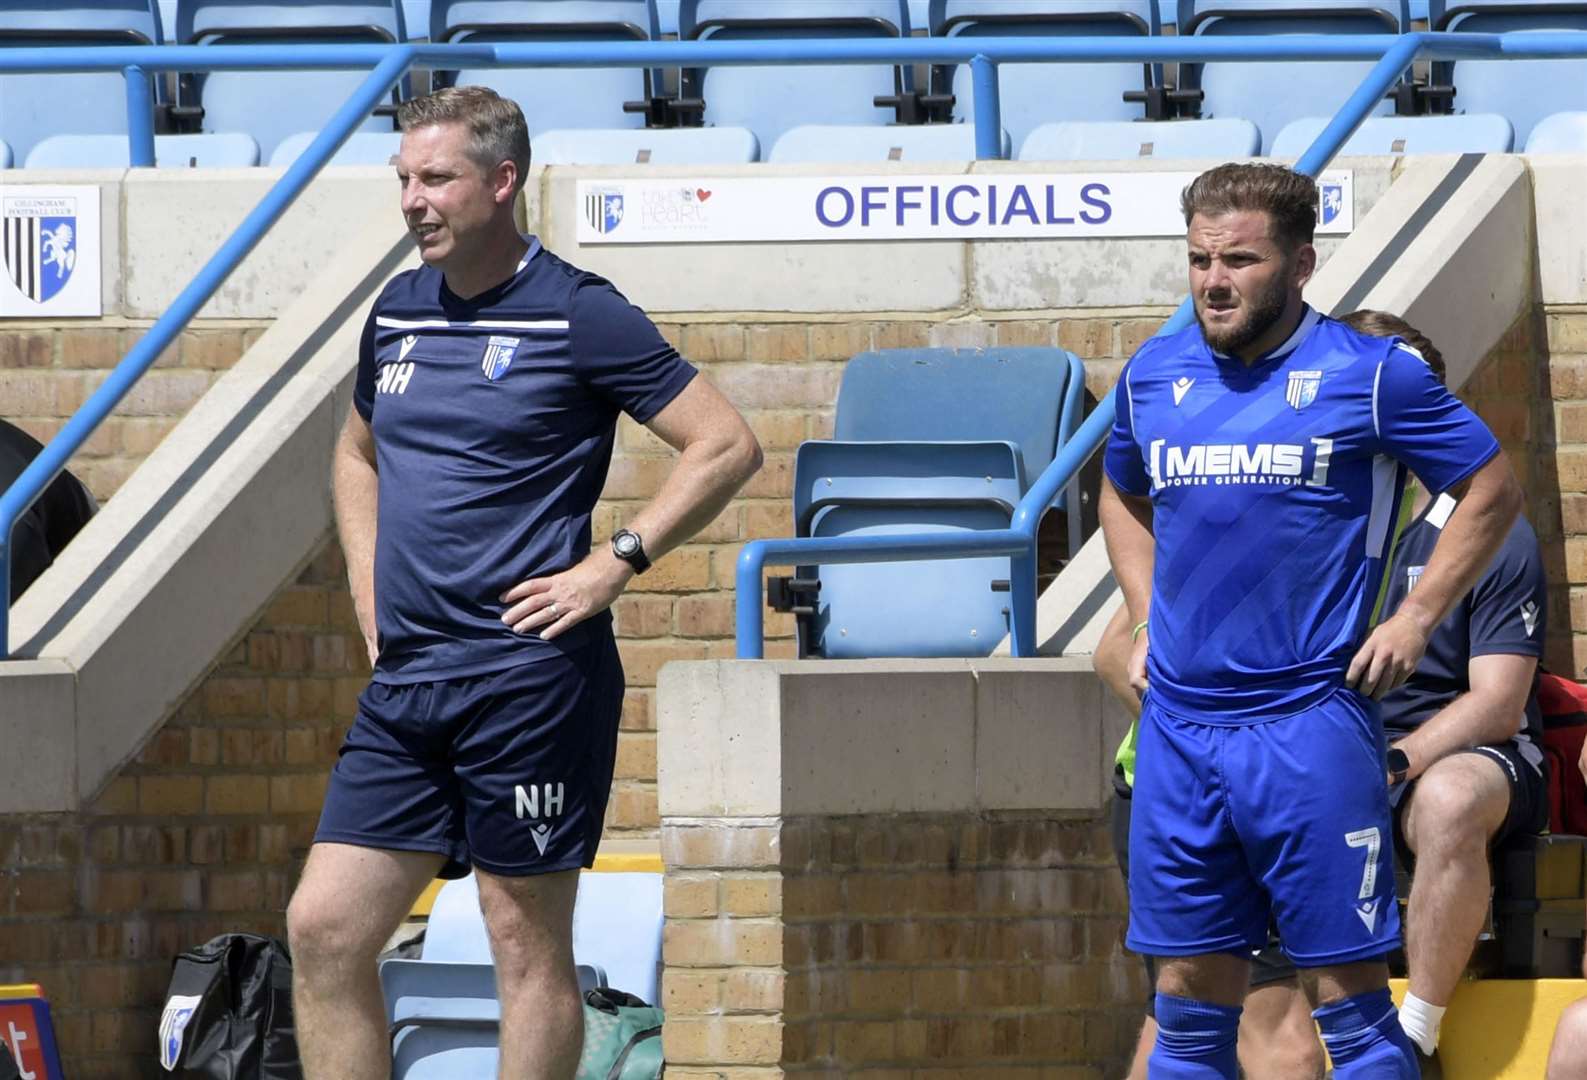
(49, 250)
(603, 208)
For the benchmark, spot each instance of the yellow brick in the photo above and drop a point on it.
(1089, 339)
(752, 990)
(170, 795)
(784, 342)
(757, 895)
(691, 991)
(689, 896)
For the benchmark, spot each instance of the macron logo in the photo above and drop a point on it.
(1367, 910)
(394, 378)
(1182, 387)
(1529, 616)
(535, 801)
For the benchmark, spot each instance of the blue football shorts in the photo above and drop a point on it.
(509, 771)
(1287, 819)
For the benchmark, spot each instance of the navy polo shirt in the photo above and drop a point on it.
(493, 422)
(1505, 613)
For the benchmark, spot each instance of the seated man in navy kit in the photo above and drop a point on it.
(489, 384)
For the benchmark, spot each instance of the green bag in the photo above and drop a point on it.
(622, 1037)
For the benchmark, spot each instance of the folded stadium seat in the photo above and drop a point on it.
(770, 99)
(1525, 91)
(5, 154)
(1478, 133)
(442, 1008)
(1079, 140)
(926, 440)
(1033, 94)
(554, 97)
(1271, 94)
(35, 106)
(897, 142)
(657, 146)
(297, 100)
(225, 150)
(361, 148)
(1562, 133)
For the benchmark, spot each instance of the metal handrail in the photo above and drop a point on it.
(1019, 540)
(391, 62)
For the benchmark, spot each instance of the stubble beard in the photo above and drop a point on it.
(1262, 312)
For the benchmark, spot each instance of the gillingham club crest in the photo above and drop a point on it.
(498, 356)
(1302, 389)
(1330, 201)
(173, 1026)
(39, 244)
(603, 209)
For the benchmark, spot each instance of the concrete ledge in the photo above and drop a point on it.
(1558, 181)
(38, 721)
(781, 738)
(226, 508)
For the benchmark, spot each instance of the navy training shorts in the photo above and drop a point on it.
(509, 771)
(1285, 820)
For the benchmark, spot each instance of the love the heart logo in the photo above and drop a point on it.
(702, 194)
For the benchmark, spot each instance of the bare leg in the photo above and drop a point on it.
(1567, 1058)
(1456, 808)
(531, 939)
(1278, 1038)
(1143, 1050)
(347, 905)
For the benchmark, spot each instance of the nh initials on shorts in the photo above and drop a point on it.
(530, 800)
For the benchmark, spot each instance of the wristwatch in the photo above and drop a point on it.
(627, 546)
(1399, 765)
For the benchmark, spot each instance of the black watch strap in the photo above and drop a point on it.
(1399, 765)
(627, 546)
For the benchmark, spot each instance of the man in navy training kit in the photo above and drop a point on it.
(1256, 474)
(489, 384)
(1465, 761)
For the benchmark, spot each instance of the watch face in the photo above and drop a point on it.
(625, 544)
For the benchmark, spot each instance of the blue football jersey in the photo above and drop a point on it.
(1277, 491)
(493, 420)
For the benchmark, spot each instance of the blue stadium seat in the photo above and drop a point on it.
(1274, 93)
(655, 146)
(361, 148)
(1108, 141)
(897, 142)
(927, 440)
(937, 608)
(5, 154)
(36, 106)
(1478, 133)
(1562, 133)
(1524, 91)
(553, 97)
(771, 99)
(227, 150)
(1033, 94)
(443, 1008)
(298, 100)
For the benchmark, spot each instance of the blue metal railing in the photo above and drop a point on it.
(388, 63)
(1019, 540)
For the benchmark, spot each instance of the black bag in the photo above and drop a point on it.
(8, 1063)
(228, 1014)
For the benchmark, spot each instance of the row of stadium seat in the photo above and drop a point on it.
(1562, 133)
(771, 100)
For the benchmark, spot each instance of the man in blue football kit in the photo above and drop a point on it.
(488, 389)
(1256, 478)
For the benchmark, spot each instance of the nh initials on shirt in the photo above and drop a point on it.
(530, 801)
(394, 378)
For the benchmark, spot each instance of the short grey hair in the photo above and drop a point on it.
(497, 131)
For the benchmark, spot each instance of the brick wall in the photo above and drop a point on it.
(207, 828)
(897, 945)
(47, 372)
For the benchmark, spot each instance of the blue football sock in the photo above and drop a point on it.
(1365, 1040)
(1195, 1040)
